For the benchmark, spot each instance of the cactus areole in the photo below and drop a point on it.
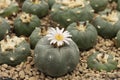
(102, 61)
(65, 12)
(56, 54)
(107, 24)
(8, 7)
(13, 50)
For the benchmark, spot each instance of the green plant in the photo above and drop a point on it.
(98, 5)
(66, 12)
(102, 61)
(13, 50)
(25, 24)
(56, 54)
(36, 35)
(107, 23)
(36, 7)
(4, 28)
(50, 3)
(118, 5)
(8, 7)
(117, 39)
(83, 34)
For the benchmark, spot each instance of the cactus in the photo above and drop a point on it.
(98, 5)
(50, 3)
(36, 35)
(13, 50)
(117, 39)
(25, 24)
(83, 34)
(4, 28)
(107, 23)
(58, 56)
(8, 7)
(66, 12)
(36, 7)
(102, 61)
(118, 5)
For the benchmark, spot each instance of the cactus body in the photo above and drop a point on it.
(55, 61)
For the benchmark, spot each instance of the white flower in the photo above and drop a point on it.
(58, 37)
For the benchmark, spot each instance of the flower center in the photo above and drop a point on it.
(59, 37)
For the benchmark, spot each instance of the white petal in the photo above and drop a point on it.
(53, 42)
(59, 43)
(66, 42)
(61, 31)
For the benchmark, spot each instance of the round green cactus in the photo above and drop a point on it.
(36, 35)
(4, 28)
(83, 34)
(102, 61)
(107, 24)
(55, 61)
(98, 5)
(56, 54)
(13, 50)
(36, 7)
(66, 12)
(25, 24)
(8, 7)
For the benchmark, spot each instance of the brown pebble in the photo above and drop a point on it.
(33, 78)
(22, 74)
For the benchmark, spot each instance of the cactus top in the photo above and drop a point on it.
(10, 42)
(58, 37)
(26, 18)
(102, 58)
(71, 3)
(111, 17)
(81, 27)
(5, 3)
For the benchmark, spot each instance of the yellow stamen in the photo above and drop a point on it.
(59, 37)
